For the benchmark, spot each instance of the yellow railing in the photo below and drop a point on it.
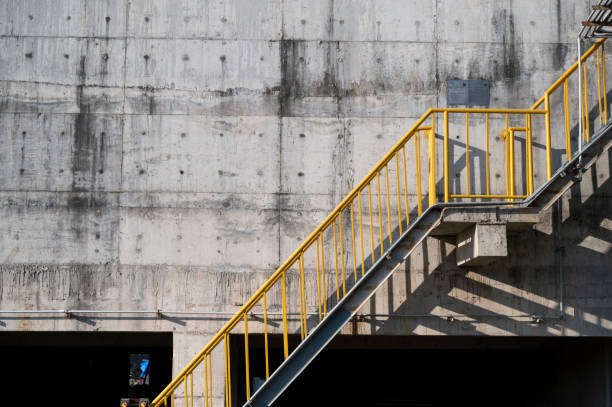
(379, 209)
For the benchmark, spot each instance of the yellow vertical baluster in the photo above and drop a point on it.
(548, 142)
(342, 256)
(210, 379)
(318, 280)
(583, 116)
(467, 150)
(506, 134)
(528, 155)
(511, 149)
(399, 202)
(172, 399)
(599, 89)
(361, 233)
(265, 309)
(205, 381)
(284, 299)
(371, 222)
(191, 384)
(487, 153)
(246, 356)
(406, 187)
(432, 168)
(432, 140)
(530, 143)
(304, 295)
(301, 283)
(586, 103)
(388, 204)
(605, 88)
(382, 250)
(417, 153)
(353, 236)
(229, 374)
(323, 275)
(446, 158)
(336, 262)
(186, 393)
(507, 141)
(226, 374)
(568, 144)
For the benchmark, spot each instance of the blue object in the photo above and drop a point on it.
(144, 367)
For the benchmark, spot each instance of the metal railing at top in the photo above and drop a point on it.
(360, 229)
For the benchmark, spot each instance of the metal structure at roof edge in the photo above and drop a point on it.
(599, 23)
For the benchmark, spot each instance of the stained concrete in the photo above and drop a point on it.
(170, 155)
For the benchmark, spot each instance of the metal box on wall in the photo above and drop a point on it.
(474, 92)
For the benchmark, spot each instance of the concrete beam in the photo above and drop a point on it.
(457, 220)
(481, 244)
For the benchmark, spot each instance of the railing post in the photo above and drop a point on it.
(487, 153)
(417, 153)
(510, 136)
(529, 155)
(568, 143)
(586, 103)
(284, 300)
(580, 106)
(506, 137)
(446, 164)
(605, 88)
(432, 168)
(548, 146)
(467, 152)
(246, 359)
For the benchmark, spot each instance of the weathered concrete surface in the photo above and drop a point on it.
(170, 155)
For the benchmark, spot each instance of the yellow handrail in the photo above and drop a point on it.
(394, 160)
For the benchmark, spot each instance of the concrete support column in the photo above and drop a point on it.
(481, 244)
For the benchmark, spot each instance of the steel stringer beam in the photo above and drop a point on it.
(342, 313)
(399, 252)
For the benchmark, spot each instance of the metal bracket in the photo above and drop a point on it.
(577, 170)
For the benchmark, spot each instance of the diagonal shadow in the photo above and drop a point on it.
(529, 268)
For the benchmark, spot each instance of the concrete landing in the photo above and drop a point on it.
(457, 220)
(480, 232)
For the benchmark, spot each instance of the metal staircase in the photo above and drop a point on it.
(323, 284)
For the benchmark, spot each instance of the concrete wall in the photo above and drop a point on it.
(169, 155)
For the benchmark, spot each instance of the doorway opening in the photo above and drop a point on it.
(84, 368)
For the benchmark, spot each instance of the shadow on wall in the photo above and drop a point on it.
(527, 282)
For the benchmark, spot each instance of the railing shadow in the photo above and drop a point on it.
(527, 269)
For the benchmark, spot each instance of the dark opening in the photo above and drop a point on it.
(83, 368)
(441, 371)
